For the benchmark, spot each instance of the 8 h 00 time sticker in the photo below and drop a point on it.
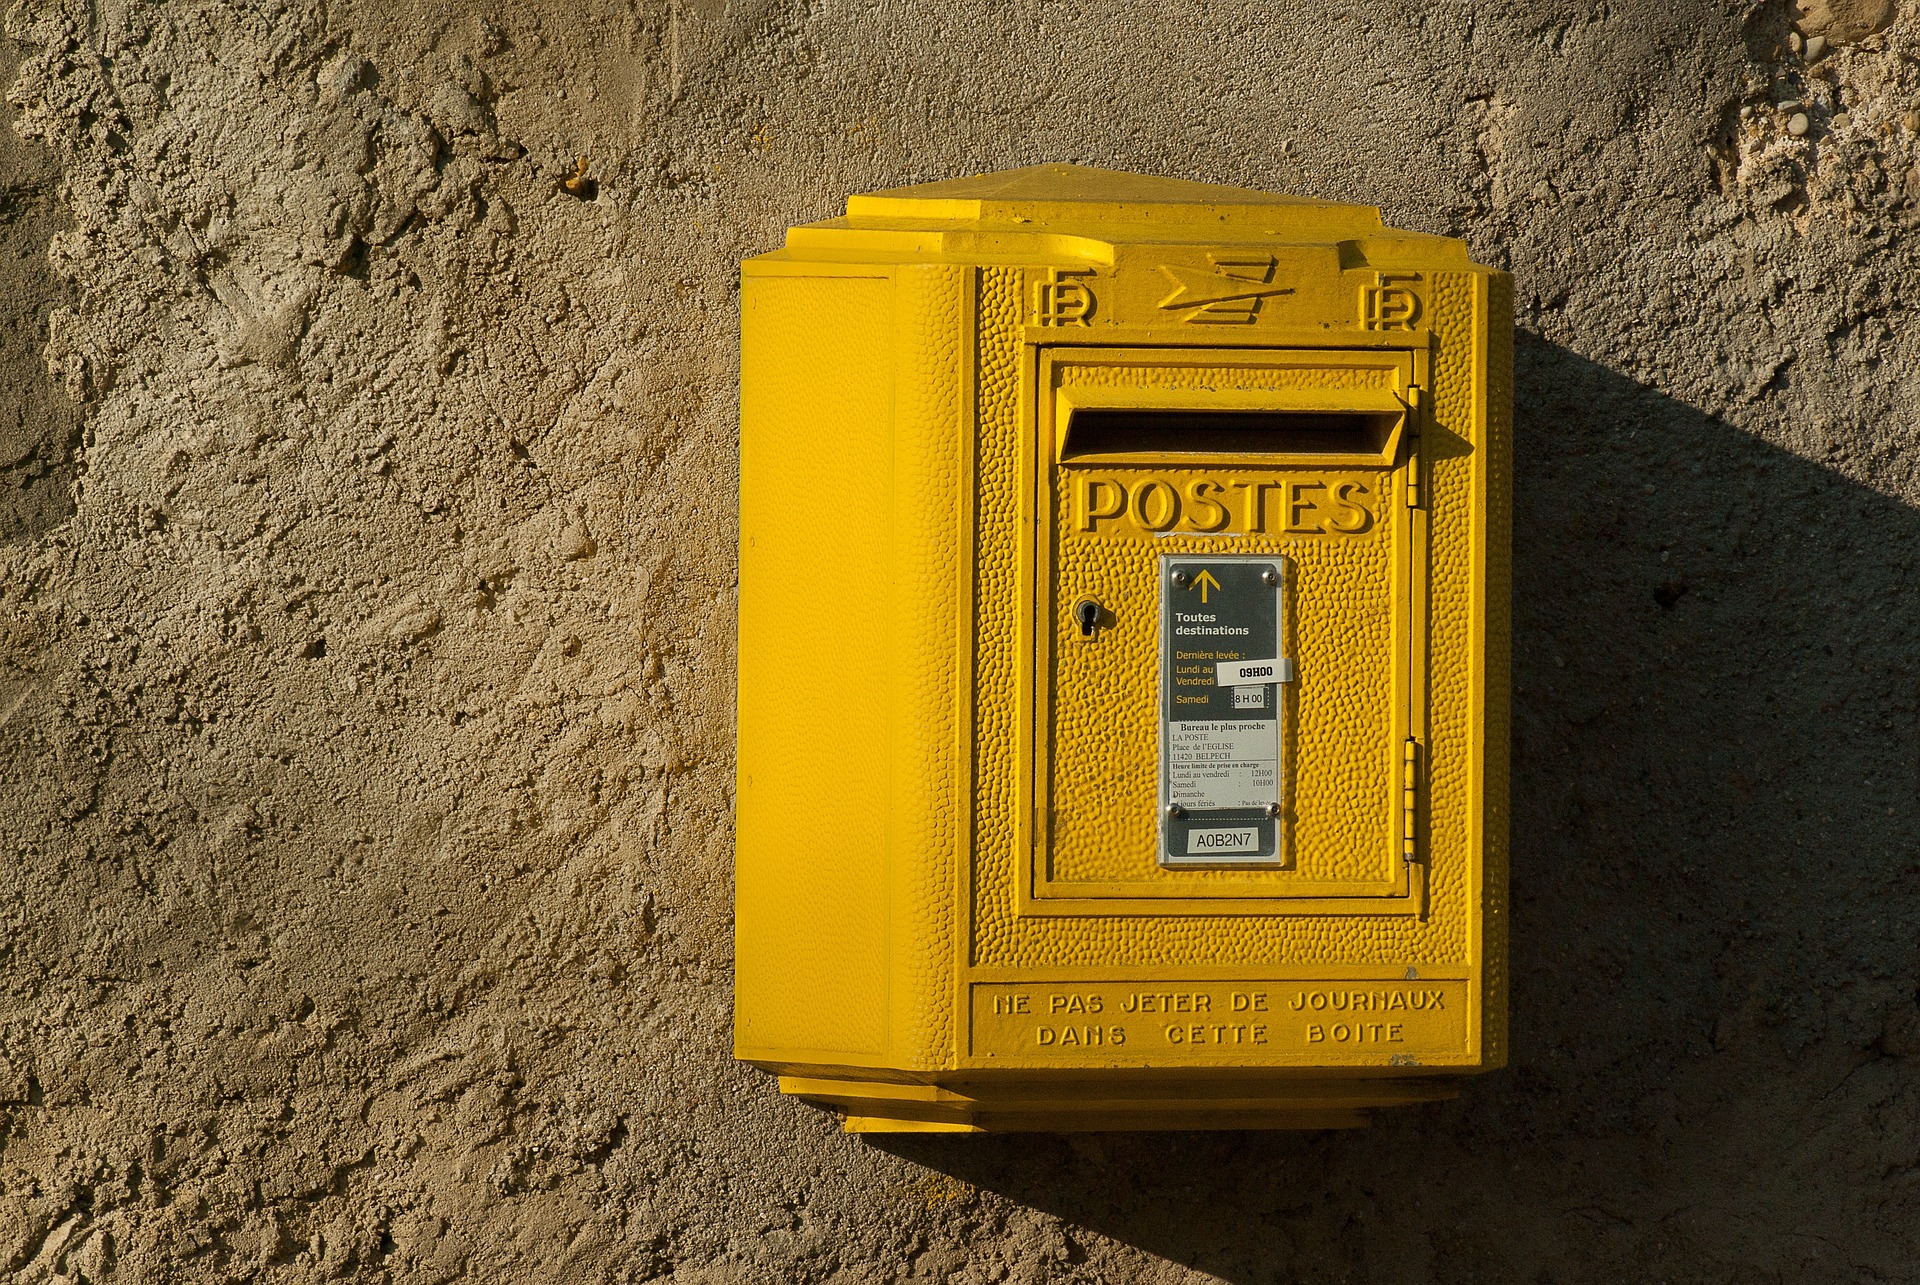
(1222, 643)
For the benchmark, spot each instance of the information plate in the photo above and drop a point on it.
(1221, 665)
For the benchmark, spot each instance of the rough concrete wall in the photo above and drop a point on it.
(39, 427)
(365, 669)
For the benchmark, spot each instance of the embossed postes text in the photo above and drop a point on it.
(1320, 505)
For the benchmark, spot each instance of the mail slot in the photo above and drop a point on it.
(1117, 434)
(1122, 659)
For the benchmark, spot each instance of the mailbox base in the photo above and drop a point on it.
(1055, 1105)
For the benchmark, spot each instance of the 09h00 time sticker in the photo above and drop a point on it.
(1222, 661)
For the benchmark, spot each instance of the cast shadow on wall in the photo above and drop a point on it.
(1715, 774)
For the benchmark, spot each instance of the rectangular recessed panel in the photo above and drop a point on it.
(1311, 760)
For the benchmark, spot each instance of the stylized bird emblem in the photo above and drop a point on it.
(1231, 293)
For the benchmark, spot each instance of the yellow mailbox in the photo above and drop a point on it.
(1123, 658)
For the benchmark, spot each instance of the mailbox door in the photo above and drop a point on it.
(1227, 687)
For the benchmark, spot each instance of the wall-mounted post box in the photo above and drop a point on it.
(1123, 658)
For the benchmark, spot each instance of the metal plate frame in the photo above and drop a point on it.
(1277, 859)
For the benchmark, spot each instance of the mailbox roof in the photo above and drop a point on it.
(1066, 198)
(1050, 213)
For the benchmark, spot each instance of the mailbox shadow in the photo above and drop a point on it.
(1716, 764)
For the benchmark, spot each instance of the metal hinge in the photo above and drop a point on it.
(1409, 798)
(1412, 400)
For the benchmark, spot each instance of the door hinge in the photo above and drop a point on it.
(1409, 798)
(1412, 400)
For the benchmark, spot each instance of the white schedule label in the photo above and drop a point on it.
(1224, 765)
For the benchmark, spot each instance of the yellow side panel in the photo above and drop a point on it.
(811, 952)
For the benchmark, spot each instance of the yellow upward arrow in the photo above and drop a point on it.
(1203, 582)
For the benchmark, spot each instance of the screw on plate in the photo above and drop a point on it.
(1087, 613)
(1273, 810)
(1270, 577)
(1180, 578)
(1175, 811)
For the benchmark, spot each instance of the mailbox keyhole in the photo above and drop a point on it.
(1087, 613)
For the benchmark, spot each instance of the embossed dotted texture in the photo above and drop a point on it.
(1001, 937)
(924, 581)
(1453, 715)
(1102, 705)
(996, 603)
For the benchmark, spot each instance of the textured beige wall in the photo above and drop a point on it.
(365, 635)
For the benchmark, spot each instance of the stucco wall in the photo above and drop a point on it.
(365, 636)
